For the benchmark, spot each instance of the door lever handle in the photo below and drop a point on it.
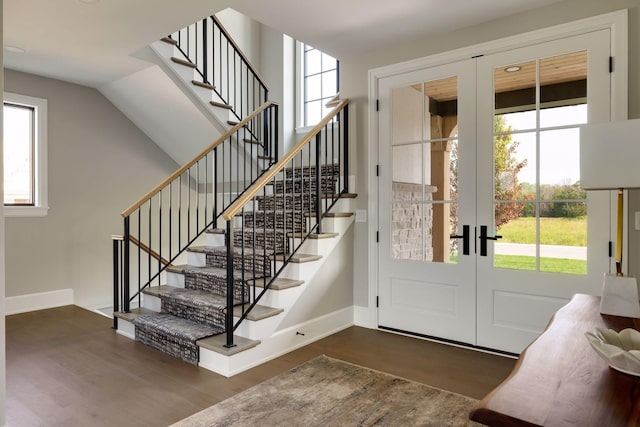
(484, 238)
(465, 239)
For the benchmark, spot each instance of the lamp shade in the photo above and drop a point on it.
(610, 155)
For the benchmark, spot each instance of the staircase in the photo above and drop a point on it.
(186, 316)
(212, 262)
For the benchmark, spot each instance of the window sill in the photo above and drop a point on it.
(306, 129)
(25, 211)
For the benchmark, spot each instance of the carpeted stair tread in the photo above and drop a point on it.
(237, 250)
(133, 313)
(173, 335)
(313, 236)
(189, 297)
(175, 326)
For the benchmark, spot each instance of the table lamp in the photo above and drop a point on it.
(610, 160)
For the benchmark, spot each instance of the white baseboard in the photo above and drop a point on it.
(278, 344)
(39, 301)
(362, 316)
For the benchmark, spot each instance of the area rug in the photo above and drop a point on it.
(329, 392)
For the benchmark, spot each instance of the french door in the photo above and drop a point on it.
(484, 230)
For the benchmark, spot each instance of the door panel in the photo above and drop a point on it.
(554, 237)
(427, 285)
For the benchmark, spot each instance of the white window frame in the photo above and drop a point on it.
(40, 199)
(299, 58)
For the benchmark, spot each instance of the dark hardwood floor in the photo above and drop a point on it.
(67, 367)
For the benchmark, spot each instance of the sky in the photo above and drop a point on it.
(559, 148)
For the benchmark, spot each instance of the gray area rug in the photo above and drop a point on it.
(329, 392)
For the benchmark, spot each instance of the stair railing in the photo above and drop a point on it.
(221, 64)
(163, 223)
(293, 196)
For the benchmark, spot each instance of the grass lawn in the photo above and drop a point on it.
(553, 231)
(550, 265)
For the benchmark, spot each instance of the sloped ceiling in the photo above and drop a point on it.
(89, 41)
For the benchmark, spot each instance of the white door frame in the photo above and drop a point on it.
(616, 22)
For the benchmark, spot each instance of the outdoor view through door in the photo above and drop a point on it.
(484, 229)
(540, 210)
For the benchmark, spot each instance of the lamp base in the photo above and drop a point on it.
(620, 296)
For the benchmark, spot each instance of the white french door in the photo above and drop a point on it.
(427, 121)
(484, 231)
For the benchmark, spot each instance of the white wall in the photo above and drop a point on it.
(354, 85)
(2, 270)
(99, 163)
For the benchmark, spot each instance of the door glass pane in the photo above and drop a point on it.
(424, 176)
(541, 167)
(515, 92)
(517, 224)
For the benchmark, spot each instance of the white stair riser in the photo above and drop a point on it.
(215, 239)
(256, 330)
(152, 303)
(321, 247)
(126, 329)
(298, 271)
(175, 279)
(280, 298)
(196, 259)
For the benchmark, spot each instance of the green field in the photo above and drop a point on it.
(553, 231)
(550, 265)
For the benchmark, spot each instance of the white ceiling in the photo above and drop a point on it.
(90, 43)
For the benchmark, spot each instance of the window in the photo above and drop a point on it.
(318, 83)
(25, 155)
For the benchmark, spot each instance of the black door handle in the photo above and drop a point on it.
(484, 238)
(465, 239)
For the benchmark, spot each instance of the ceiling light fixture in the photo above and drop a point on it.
(15, 49)
(513, 69)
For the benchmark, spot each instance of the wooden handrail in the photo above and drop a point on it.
(250, 192)
(196, 159)
(148, 250)
(240, 52)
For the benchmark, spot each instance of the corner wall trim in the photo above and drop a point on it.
(39, 301)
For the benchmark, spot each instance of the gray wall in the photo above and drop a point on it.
(99, 163)
(354, 85)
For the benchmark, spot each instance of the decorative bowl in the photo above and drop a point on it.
(620, 350)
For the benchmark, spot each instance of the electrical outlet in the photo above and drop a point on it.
(361, 215)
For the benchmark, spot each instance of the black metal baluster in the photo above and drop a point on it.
(229, 312)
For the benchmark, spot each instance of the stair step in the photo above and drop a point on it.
(203, 84)
(211, 279)
(331, 214)
(258, 312)
(232, 122)
(169, 40)
(184, 62)
(288, 219)
(198, 306)
(296, 258)
(269, 239)
(265, 157)
(172, 335)
(216, 343)
(313, 236)
(244, 258)
(252, 141)
(277, 285)
(221, 105)
(133, 313)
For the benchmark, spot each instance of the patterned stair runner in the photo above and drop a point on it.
(197, 311)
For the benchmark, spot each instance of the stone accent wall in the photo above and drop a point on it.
(407, 221)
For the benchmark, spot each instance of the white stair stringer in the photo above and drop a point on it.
(275, 342)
